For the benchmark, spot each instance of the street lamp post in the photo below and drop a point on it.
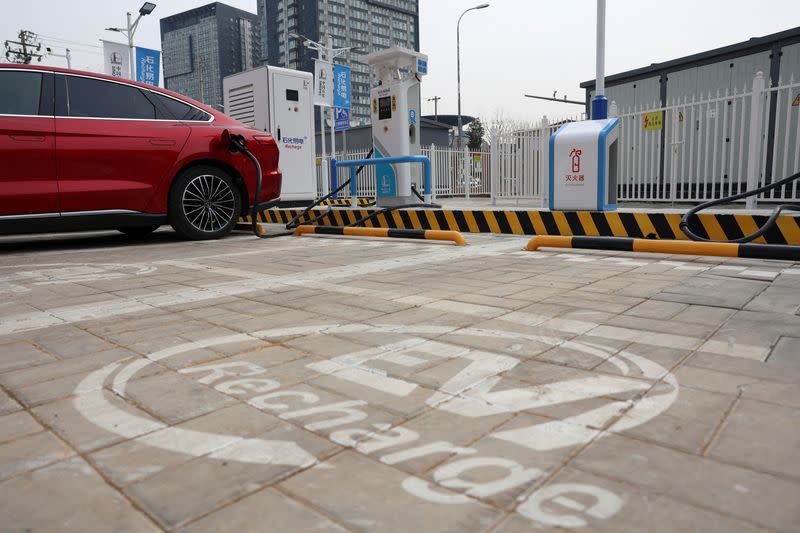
(146, 9)
(458, 68)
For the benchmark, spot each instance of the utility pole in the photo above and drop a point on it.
(435, 101)
(327, 53)
(24, 50)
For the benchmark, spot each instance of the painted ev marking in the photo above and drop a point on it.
(474, 391)
(539, 506)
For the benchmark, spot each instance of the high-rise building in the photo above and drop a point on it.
(203, 45)
(369, 25)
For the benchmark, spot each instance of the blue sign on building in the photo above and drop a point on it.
(341, 87)
(342, 119)
(422, 66)
(147, 65)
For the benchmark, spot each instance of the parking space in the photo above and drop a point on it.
(343, 384)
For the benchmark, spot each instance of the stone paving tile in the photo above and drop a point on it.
(266, 510)
(786, 352)
(134, 460)
(656, 309)
(69, 341)
(372, 498)
(192, 489)
(701, 314)
(714, 292)
(64, 419)
(662, 325)
(689, 423)
(21, 355)
(174, 398)
(763, 499)
(77, 500)
(8, 404)
(31, 452)
(738, 441)
(743, 367)
(541, 350)
(775, 300)
(578, 501)
(57, 369)
(56, 389)
(17, 425)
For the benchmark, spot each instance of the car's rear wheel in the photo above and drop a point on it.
(139, 232)
(204, 203)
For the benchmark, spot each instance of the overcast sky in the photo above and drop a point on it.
(509, 49)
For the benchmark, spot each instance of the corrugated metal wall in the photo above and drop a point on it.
(713, 82)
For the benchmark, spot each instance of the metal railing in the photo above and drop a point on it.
(366, 163)
(446, 169)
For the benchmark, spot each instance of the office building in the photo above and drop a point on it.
(368, 25)
(203, 45)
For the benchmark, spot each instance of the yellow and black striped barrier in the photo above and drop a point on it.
(640, 224)
(345, 202)
(432, 235)
(622, 244)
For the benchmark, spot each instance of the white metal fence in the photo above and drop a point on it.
(713, 146)
(690, 150)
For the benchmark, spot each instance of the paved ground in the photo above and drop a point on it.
(306, 384)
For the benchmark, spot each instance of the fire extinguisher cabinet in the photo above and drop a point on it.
(583, 166)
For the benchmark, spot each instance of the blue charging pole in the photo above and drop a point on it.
(599, 102)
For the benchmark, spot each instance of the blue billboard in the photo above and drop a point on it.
(341, 87)
(148, 63)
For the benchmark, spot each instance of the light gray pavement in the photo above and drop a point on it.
(305, 384)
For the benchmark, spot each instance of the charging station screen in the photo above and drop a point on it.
(292, 95)
(385, 108)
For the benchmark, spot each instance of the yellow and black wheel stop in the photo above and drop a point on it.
(433, 235)
(622, 244)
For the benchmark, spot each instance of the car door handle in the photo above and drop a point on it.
(162, 142)
(28, 138)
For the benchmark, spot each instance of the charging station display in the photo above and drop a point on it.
(385, 108)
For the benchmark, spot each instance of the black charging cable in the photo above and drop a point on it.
(769, 224)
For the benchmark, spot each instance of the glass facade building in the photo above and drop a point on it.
(369, 25)
(203, 45)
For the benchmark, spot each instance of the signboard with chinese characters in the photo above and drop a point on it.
(147, 65)
(323, 83)
(341, 86)
(116, 59)
(653, 121)
(341, 118)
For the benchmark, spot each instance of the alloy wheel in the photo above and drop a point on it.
(209, 203)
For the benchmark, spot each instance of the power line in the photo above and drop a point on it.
(25, 50)
(68, 41)
(76, 48)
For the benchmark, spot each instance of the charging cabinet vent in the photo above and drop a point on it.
(242, 105)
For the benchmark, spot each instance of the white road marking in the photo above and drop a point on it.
(121, 306)
(759, 273)
(91, 402)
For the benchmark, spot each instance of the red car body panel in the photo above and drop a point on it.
(115, 164)
(70, 164)
(28, 165)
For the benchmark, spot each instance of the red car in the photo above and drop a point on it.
(82, 151)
